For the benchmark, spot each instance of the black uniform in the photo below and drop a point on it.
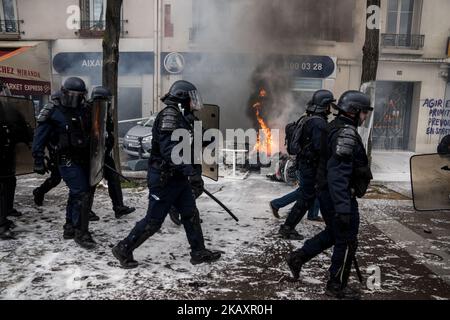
(306, 146)
(114, 187)
(307, 163)
(168, 182)
(343, 176)
(70, 125)
(13, 130)
(444, 145)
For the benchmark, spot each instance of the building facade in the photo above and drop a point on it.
(222, 44)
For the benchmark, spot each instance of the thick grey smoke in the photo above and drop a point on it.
(253, 31)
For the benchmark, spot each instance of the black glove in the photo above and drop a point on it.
(39, 168)
(343, 221)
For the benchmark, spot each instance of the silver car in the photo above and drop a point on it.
(141, 134)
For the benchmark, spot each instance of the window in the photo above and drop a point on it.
(400, 16)
(98, 11)
(8, 17)
(93, 16)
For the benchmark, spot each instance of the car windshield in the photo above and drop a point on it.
(149, 122)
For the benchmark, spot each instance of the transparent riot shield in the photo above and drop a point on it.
(18, 115)
(99, 111)
(365, 131)
(210, 118)
(430, 182)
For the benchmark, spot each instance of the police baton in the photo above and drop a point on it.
(209, 194)
(117, 173)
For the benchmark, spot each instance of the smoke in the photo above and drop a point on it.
(251, 40)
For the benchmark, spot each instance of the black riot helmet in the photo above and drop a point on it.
(184, 93)
(320, 102)
(73, 92)
(354, 102)
(101, 93)
(56, 97)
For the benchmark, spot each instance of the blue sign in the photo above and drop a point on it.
(90, 63)
(189, 63)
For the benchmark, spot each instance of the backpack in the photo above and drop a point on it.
(294, 135)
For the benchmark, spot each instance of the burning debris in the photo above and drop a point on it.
(264, 142)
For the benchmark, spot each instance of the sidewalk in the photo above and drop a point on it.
(392, 170)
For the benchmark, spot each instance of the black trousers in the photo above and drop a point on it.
(114, 187)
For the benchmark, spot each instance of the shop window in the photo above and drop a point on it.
(392, 118)
(8, 17)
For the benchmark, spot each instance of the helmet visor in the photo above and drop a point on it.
(196, 100)
(73, 99)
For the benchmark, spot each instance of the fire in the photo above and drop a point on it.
(265, 144)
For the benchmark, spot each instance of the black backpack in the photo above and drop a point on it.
(294, 135)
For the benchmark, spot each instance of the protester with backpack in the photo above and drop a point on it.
(303, 140)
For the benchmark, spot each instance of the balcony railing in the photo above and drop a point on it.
(403, 41)
(10, 27)
(96, 28)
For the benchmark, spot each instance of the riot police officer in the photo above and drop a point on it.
(344, 175)
(168, 182)
(114, 187)
(312, 126)
(69, 125)
(13, 130)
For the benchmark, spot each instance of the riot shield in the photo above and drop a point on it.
(430, 182)
(365, 131)
(19, 115)
(210, 118)
(99, 111)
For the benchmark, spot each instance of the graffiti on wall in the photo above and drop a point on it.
(438, 116)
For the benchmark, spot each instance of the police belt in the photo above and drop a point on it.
(66, 159)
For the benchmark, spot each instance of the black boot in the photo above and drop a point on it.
(121, 211)
(38, 197)
(6, 233)
(336, 290)
(93, 216)
(289, 233)
(125, 256)
(274, 211)
(84, 239)
(123, 251)
(14, 213)
(295, 262)
(204, 256)
(69, 231)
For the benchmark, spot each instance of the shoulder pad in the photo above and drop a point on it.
(46, 112)
(346, 141)
(169, 119)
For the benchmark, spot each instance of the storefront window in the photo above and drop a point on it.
(392, 115)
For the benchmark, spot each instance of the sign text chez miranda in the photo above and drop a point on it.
(11, 71)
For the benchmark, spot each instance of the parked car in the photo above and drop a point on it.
(138, 140)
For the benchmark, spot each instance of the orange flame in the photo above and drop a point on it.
(266, 144)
